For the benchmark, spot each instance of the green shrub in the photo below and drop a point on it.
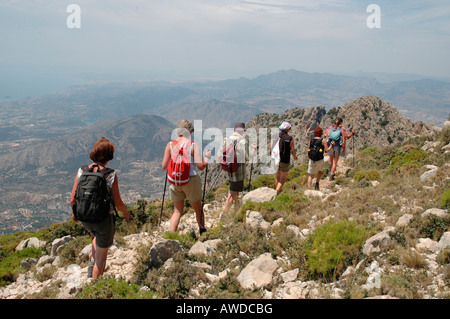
(176, 281)
(405, 161)
(10, 264)
(432, 226)
(371, 175)
(333, 247)
(264, 181)
(445, 198)
(110, 288)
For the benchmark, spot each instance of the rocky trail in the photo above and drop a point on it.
(263, 272)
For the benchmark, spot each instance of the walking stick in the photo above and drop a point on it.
(162, 205)
(250, 180)
(203, 198)
(212, 185)
(353, 150)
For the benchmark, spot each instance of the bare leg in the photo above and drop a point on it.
(281, 181)
(100, 255)
(176, 216)
(198, 213)
(232, 198)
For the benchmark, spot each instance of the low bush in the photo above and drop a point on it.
(110, 288)
(333, 247)
(370, 175)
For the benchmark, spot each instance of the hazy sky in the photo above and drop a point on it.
(214, 39)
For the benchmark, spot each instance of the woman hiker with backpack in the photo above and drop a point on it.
(286, 146)
(337, 133)
(237, 175)
(317, 148)
(183, 161)
(107, 184)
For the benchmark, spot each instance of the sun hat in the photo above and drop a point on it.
(239, 126)
(284, 126)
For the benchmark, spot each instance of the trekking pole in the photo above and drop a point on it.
(353, 151)
(212, 185)
(203, 198)
(250, 179)
(162, 205)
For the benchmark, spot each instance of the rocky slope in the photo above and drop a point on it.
(256, 251)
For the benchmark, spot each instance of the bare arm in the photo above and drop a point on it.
(118, 200)
(293, 150)
(166, 158)
(201, 163)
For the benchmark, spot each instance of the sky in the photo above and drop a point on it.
(45, 47)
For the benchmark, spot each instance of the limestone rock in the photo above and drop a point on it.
(377, 243)
(404, 220)
(256, 220)
(259, 195)
(258, 273)
(444, 242)
(31, 242)
(434, 211)
(206, 248)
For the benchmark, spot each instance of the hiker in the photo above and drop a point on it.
(286, 147)
(104, 230)
(345, 135)
(192, 188)
(236, 178)
(317, 147)
(337, 133)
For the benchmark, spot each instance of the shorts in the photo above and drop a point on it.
(237, 186)
(335, 150)
(103, 231)
(283, 167)
(192, 190)
(315, 166)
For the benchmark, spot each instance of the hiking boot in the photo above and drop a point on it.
(90, 268)
(332, 177)
(202, 230)
(316, 186)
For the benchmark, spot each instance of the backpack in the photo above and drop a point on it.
(93, 199)
(180, 163)
(275, 154)
(229, 158)
(335, 134)
(315, 151)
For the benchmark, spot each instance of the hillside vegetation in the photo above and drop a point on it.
(380, 229)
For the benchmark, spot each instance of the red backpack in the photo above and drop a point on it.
(180, 163)
(229, 159)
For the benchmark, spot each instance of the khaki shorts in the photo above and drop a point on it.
(283, 167)
(191, 191)
(315, 166)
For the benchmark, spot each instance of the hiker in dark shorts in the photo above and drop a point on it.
(286, 148)
(317, 148)
(103, 231)
(236, 178)
(193, 189)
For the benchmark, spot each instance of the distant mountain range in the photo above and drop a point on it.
(44, 140)
(217, 103)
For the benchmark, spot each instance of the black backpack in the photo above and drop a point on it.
(315, 151)
(93, 199)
